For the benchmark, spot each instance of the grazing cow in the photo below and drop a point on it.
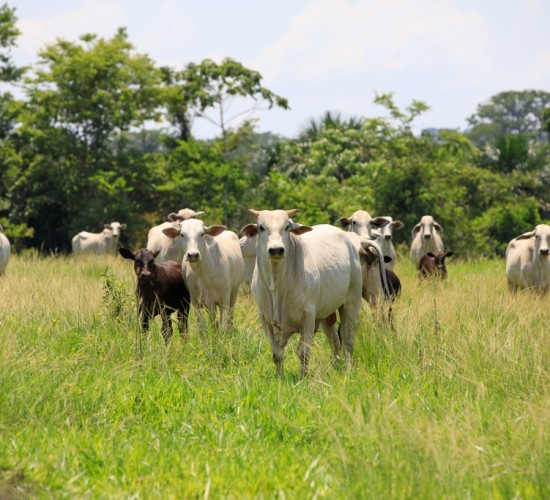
(362, 223)
(160, 290)
(168, 248)
(433, 265)
(303, 275)
(105, 242)
(212, 267)
(5, 250)
(426, 238)
(385, 236)
(528, 260)
(248, 249)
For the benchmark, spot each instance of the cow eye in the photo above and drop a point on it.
(353, 223)
(261, 227)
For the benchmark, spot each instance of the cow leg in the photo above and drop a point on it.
(166, 325)
(306, 339)
(347, 333)
(183, 314)
(145, 317)
(277, 347)
(329, 328)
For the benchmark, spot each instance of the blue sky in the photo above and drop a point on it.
(327, 54)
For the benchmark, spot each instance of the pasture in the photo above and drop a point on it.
(454, 403)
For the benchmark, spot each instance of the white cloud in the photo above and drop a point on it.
(377, 35)
(538, 76)
(101, 17)
(167, 35)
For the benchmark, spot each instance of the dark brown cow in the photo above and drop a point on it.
(160, 290)
(433, 265)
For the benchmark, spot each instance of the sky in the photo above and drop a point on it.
(326, 55)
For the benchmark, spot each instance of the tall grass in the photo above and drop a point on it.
(454, 402)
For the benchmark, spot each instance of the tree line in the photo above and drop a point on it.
(102, 133)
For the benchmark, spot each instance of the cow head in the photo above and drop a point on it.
(184, 214)
(274, 228)
(426, 227)
(541, 235)
(385, 232)
(143, 262)
(194, 235)
(361, 223)
(115, 228)
(439, 260)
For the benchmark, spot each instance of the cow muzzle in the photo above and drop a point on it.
(545, 251)
(276, 253)
(387, 237)
(193, 257)
(427, 236)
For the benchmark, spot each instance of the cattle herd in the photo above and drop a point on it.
(301, 277)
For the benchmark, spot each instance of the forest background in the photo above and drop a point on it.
(96, 132)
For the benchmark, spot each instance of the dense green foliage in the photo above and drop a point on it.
(80, 149)
(452, 404)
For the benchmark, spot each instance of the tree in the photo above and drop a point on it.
(82, 97)
(511, 112)
(209, 90)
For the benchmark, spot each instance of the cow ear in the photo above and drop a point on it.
(155, 254)
(431, 254)
(449, 254)
(126, 253)
(123, 226)
(255, 213)
(344, 221)
(415, 229)
(397, 224)
(107, 226)
(526, 236)
(297, 231)
(387, 259)
(438, 228)
(379, 222)
(250, 230)
(214, 230)
(172, 217)
(171, 232)
(368, 252)
(196, 216)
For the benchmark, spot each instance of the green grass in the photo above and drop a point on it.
(454, 403)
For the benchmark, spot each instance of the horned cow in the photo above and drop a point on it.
(303, 275)
(426, 238)
(528, 260)
(105, 242)
(212, 268)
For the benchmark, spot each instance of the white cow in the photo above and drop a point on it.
(168, 248)
(5, 249)
(248, 249)
(362, 223)
(303, 275)
(212, 267)
(426, 238)
(385, 237)
(105, 242)
(528, 260)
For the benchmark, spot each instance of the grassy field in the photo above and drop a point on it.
(454, 403)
